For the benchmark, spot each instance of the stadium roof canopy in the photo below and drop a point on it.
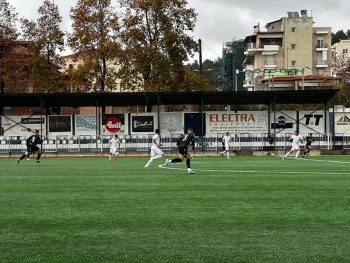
(166, 98)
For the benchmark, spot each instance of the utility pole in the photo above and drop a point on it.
(200, 58)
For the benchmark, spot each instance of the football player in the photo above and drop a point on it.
(183, 144)
(156, 152)
(295, 139)
(32, 146)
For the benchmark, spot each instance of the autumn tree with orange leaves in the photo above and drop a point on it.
(11, 66)
(156, 43)
(95, 41)
(46, 40)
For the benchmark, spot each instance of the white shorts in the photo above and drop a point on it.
(156, 151)
(295, 147)
(113, 150)
(227, 147)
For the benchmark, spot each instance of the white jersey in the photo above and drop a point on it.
(296, 139)
(226, 140)
(114, 142)
(155, 151)
(155, 140)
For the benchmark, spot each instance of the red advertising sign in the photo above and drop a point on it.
(113, 124)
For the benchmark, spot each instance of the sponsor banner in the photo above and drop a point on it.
(309, 122)
(33, 120)
(285, 122)
(171, 122)
(22, 125)
(85, 124)
(143, 123)
(113, 123)
(312, 122)
(254, 122)
(61, 124)
(342, 122)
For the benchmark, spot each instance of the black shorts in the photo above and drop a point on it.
(308, 145)
(31, 149)
(183, 151)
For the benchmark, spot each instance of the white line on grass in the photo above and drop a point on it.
(316, 160)
(261, 172)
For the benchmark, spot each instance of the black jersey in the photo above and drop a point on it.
(309, 140)
(33, 140)
(188, 140)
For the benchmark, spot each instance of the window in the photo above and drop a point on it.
(293, 46)
(294, 29)
(320, 43)
(345, 51)
(293, 63)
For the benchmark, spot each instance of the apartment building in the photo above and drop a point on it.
(290, 46)
(342, 48)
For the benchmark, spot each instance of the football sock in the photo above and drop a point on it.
(188, 163)
(22, 157)
(38, 158)
(150, 161)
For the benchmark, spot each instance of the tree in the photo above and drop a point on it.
(8, 36)
(8, 19)
(14, 72)
(46, 40)
(193, 82)
(156, 43)
(95, 38)
(339, 35)
(348, 33)
(340, 66)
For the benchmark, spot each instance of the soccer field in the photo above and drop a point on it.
(247, 209)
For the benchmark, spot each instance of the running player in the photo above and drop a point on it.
(226, 141)
(32, 147)
(114, 145)
(295, 139)
(183, 143)
(309, 140)
(156, 153)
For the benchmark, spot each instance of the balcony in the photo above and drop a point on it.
(270, 50)
(322, 47)
(252, 49)
(270, 64)
(322, 64)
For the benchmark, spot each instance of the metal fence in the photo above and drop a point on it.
(85, 144)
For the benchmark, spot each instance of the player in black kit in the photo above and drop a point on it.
(308, 143)
(32, 146)
(183, 143)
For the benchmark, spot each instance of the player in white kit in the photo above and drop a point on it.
(156, 153)
(114, 145)
(226, 141)
(295, 139)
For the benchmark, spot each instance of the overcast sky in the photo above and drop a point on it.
(221, 21)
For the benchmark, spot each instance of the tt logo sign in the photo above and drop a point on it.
(313, 119)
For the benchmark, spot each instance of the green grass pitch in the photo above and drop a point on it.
(247, 209)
